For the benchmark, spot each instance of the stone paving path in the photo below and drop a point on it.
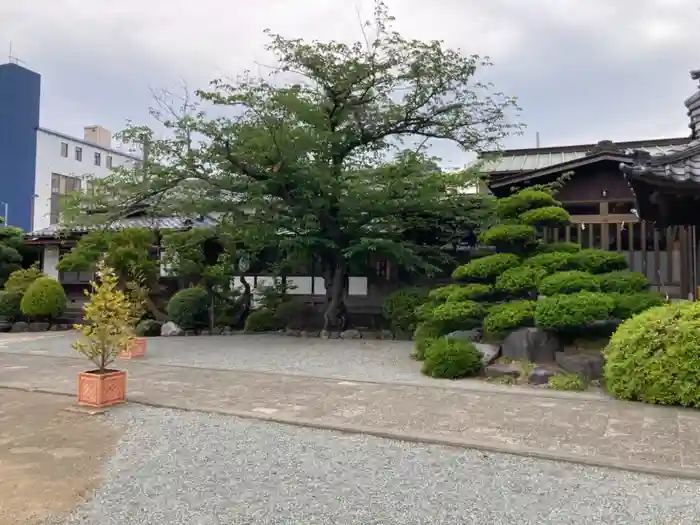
(589, 429)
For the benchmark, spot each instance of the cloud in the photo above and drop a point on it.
(584, 71)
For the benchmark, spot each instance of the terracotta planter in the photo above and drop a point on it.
(100, 390)
(137, 349)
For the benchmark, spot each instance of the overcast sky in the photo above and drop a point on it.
(584, 70)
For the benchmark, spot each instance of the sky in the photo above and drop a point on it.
(583, 70)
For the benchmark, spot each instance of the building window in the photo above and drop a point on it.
(98, 158)
(109, 162)
(78, 154)
(61, 185)
(64, 149)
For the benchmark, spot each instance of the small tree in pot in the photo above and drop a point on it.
(110, 314)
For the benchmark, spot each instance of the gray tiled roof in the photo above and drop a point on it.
(154, 223)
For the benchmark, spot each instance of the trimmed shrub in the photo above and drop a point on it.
(424, 335)
(470, 292)
(509, 237)
(451, 359)
(546, 217)
(296, 314)
(148, 328)
(10, 301)
(513, 206)
(20, 280)
(189, 308)
(629, 305)
(600, 261)
(486, 269)
(506, 317)
(623, 281)
(443, 292)
(552, 262)
(458, 315)
(44, 299)
(399, 308)
(653, 357)
(570, 382)
(521, 281)
(569, 282)
(425, 311)
(572, 313)
(262, 320)
(564, 247)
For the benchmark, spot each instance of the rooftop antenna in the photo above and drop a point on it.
(11, 58)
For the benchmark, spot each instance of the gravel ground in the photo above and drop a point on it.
(197, 469)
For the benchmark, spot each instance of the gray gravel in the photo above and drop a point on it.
(198, 469)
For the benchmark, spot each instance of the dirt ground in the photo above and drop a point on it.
(51, 457)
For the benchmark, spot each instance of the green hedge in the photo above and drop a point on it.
(263, 320)
(486, 269)
(512, 207)
(569, 282)
(623, 281)
(296, 314)
(600, 261)
(44, 299)
(458, 315)
(399, 308)
(470, 292)
(629, 305)
(451, 359)
(423, 337)
(653, 357)
(189, 309)
(521, 281)
(574, 312)
(566, 247)
(546, 217)
(507, 317)
(509, 237)
(10, 309)
(148, 328)
(553, 262)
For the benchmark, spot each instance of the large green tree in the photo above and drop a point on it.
(327, 159)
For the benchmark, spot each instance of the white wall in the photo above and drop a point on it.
(49, 160)
(50, 260)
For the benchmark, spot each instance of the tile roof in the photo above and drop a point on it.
(154, 223)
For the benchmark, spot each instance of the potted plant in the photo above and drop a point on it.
(109, 314)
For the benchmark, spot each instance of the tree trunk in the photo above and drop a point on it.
(157, 314)
(335, 295)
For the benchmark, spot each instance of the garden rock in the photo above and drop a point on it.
(531, 344)
(217, 330)
(351, 334)
(588, 365)
(38, 327)
(540, 374)
(19, 326)
(5, 326)
(291, 332)
(170, 329)
(386, 335)
(465, 335)
(503, 370)
(489, 353)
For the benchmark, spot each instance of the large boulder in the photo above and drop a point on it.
(540, 374)
(489, 352)
(170, 329)
(512, 370)
(19, 326)
(351, 334)
(531, 344)
(39, 327)
(588, 365)
(466, 335)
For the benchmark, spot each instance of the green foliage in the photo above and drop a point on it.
(486, 269)
(547, 217)
(572, 313)
(424, 335)
(451, 359)
(296, 314)
(552, 262)
(263, 320)
(441, 293)
(566, 247)
(470, 292)
(20, 280)
(629, 305)
(569, 282)
(623, 281)
(399, 308)
(653, 357)
(44, 299)
(148, 328)
(600, 261)
(509, 237)
(11, 245)
(512, 207)
(458, 315)
(521, 281)
(189, 308)
(10, 301)
(506, 317)
(567, 382)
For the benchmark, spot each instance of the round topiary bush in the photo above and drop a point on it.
(263, 320)
(399, 308)
(296, 314)
(189, 308)
(552, 262)
(564, 247)
(509, 237)
(148, 328)
(569, 282)
(504, 318)
(44, 299)
(572, 313)
(547, 217)
(515, 205)
(597, 261)
(462, 315)
(423, 337)
(10, 309)
(486, 269)
(470, 292)
(653, 357)
(623, 281)
(629, 305)
(20, 280)
(521, 281)
(451, 359)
